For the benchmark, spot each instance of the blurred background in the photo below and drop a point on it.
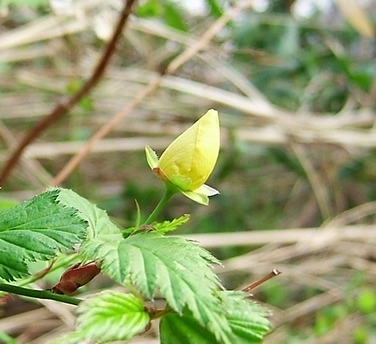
(294, 83)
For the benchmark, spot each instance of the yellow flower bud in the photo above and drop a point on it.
(190, 159)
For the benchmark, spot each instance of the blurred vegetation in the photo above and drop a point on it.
(298, 136)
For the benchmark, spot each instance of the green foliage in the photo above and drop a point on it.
(97, 219)
(150, 8)
(6, 339)
(29, 3)
(246, 319)
(214, 7)
(109, 316)
(173, 327)
(37, 230)
(326, 319)
(173, 15)
(363, 305)
(180, 269)
(146, 261)
(366, 301)
(169, 226)
(360, 335)
(75, 85)
(6, 203)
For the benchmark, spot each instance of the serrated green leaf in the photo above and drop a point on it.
(169, 226)
(109, 316)
(180, 269)
(151, 260)
(37, 230)
(98, 221)
(246, 318)
(103, 236)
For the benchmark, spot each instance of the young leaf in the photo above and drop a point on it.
(37, 230)
(169, 226)
(161, 228)
(246, 318)
(109, 316)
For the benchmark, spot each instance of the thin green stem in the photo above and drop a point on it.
(162, 203)
(38, 294)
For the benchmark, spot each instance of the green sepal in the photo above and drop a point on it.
(151, 157)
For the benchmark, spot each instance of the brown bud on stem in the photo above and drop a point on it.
(75, 277)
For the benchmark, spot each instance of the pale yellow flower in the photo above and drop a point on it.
(190, 159)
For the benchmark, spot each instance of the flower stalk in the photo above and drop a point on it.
(169, 192)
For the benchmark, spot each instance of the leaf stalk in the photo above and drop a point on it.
(38, 294)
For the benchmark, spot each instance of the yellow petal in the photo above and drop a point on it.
(194, 153)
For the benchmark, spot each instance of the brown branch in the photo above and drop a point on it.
(63, 107)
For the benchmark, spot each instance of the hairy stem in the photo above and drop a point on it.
(38, 294)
